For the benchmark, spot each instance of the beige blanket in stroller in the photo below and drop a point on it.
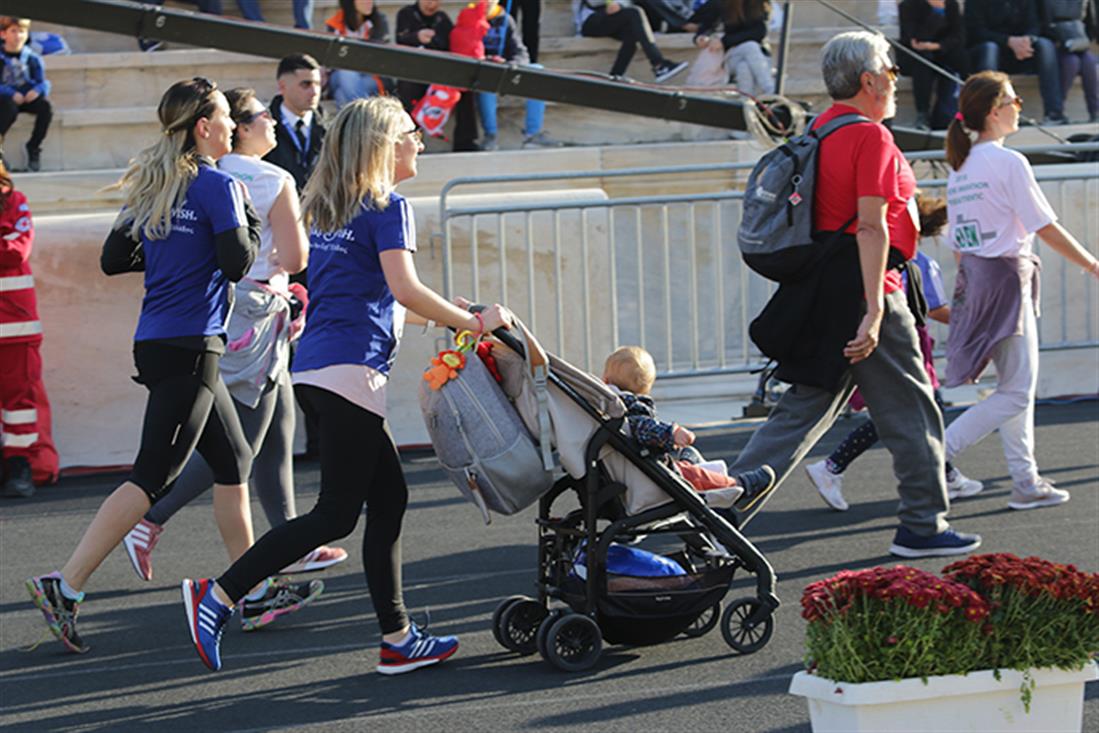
(571, 426)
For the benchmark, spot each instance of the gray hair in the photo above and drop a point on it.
(847, 57)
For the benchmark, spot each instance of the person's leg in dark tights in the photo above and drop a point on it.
(273, 467)
(629, 26)
(197, 476)
(465, 123)
(946, 103)
(857, 442)
(359, 464)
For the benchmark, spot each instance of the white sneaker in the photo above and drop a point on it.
(1039, 495)
(958, 486)
(829, 485)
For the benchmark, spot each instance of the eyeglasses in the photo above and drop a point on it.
(250, 117)
(1016, 101)
(416, 134)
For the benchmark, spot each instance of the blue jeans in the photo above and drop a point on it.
(536, 112)
(347, 86)
(486, 105)
(988, 56)
(303, 12)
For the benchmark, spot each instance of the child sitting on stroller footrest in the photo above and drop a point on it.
(630, 371)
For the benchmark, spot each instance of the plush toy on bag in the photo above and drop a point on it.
(444, 367)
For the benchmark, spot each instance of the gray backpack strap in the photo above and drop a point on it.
(537, 370)
(842, 121)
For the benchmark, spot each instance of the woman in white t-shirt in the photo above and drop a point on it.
(255, 367)
(996, 207)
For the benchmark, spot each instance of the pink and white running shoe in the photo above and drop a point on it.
(318, 559)
(139, 543)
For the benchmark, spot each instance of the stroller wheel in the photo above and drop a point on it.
(705, 622)
(497, 615)
(519, 624)
(543, 631)
(739, 633)
(573, 643)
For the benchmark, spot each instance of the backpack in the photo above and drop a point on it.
(776, 229)
(481, 441)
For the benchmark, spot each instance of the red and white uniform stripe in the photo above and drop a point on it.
(24, 408)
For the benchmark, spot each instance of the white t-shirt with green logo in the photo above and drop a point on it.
(994, 203)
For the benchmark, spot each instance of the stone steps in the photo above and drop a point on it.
(556, 19)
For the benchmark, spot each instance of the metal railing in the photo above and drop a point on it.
(664, 271)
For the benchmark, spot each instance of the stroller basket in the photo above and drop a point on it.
(642, 611)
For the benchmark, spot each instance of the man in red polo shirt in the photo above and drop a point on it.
(864, 179)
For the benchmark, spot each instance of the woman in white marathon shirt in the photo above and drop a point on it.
(996, 208)
(255, 367)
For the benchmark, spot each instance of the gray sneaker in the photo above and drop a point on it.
(541, 140)
(488, 142)
(1039, 495)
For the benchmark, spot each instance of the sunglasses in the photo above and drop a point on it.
(1016, 101)
(250, 117)
(893, 72)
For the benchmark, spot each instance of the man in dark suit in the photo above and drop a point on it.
(298, 136)
(300, 129)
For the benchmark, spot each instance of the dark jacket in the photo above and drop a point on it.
(806, 324)
(712, 14)
(411, 21)
(997, 20)
(920, 22)
(286, 154)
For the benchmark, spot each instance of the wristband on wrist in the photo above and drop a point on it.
(480, 323)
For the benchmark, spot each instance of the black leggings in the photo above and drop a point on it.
(628, 25)
(188, 409)
(359, 463)
(43, 115)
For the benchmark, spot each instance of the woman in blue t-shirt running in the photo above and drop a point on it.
(187, 226)
(362, 285)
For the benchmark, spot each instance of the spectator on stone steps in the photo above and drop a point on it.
(249, 10)
(363, 20)
(743, 41)
(23, 87)
(423, 25)
(1003, 35)
(627, 23)
(934, 30)
(530, 14)
(502, 44)
(1066, 23)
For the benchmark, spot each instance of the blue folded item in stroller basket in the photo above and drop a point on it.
(631, 561)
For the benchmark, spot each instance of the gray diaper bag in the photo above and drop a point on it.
(481, 440)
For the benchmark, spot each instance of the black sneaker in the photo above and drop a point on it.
(282, 597)
(757, 483)
(667, 69)
(18, 483)
(34, 159)
(60, 612)
(1055, 119)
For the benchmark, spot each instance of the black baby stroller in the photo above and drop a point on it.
(625, 494)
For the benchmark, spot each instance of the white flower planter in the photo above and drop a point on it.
(973, 702)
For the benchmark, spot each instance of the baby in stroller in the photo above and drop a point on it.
(630, 371)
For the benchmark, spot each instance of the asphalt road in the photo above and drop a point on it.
(313, 671)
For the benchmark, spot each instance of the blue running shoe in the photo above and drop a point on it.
(206, 619)
(907, 543)
(420, 649)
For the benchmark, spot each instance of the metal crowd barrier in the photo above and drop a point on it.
(664, 271)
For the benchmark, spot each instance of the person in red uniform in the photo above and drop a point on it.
(29, 455)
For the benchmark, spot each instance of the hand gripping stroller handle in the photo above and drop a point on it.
(538, 356)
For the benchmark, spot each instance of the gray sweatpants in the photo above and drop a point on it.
(750, 68)
(269, 429)
(901, 402)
